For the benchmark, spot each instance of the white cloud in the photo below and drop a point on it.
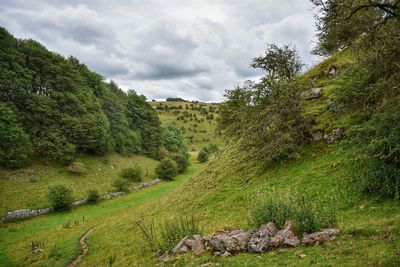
(191, 49)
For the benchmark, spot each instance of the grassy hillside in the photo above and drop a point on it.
(26, 187)
(197, 121)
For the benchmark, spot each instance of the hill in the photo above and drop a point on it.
(198, 121)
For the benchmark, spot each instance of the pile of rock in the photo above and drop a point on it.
(266, 238)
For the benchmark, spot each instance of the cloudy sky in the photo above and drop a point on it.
(194, 49)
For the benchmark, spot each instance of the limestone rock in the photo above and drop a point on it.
(317, 136)
(180, 247)
(289, 238)
(196, 245)
(337, 134)
(320, 237)
(313, 93)
(261, 240)
(233, 242)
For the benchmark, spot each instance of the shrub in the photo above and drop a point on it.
(166, 169)
(181, 162)
(202, 156)
(134, 174)
(77, 168)
(93, 196)
(60, 197)
(307, 215)
(121, 185)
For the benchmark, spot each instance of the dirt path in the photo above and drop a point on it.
(84, 246)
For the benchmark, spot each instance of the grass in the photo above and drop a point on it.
(219, 196)
(26, 188)
(203, 134)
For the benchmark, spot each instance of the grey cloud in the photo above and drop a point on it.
(191, 49)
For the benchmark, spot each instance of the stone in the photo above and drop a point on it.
(317, 136)
(261, 240)
(233, 242)
(180, 247)
(313, 93)
(319, 237)
(337, 134)
(289, 238)
(165, 258)
(226, 254)
(196, 245)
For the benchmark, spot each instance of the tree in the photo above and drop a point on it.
(202, 156)
(181, 162)
(173, 139)
(15, 146)
(166, 169)
(60, 197)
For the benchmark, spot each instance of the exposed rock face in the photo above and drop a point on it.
(337, 134)
(261, 240)
(313, 93)
(317, 136)
(320, 237)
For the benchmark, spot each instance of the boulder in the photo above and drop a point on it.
(320, 237)
(313, 93)
(261, 240)
(180, 248)
(317, 136)
(196, 245)
(289, 238)
(233, 242)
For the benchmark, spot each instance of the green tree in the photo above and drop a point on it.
(173, 139)
(166, 169)
(181, 162)
(202, 156)
(60, 197)
(15, 146)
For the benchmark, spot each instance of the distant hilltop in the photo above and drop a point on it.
(175, 99)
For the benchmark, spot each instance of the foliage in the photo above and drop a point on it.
(93, 196)
(166, 169)
(121, 184)
(307, 215)
(60, 197)
(181, 162)
(173, 139)
(377, 170)
(66, 109)
(267, 116)
(15, 146)
(171, 232)
(134, 173)
(77, 168)
(202, 156)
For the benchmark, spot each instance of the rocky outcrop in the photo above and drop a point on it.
(336, 135)
(320, 237)
(313, 93)
(266, 238)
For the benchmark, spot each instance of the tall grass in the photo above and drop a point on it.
(167, 235)
(307, 215)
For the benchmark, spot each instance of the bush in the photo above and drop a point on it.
(121, 185)
(134, 174)
(307, 216)
(181, 162)
(93, 196)
(77, 168)
(60, 197)
(166, 169)
(202, 156)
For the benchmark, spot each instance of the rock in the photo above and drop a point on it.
(331, 71)
(196, 245)
(180, 247)
(313, 93)
(165, 258)
(233, 242)
(79, 203)
(320, 237)
(226, 254)
(335, 107)
(261, 240)
(277, 241)
(36, 250)
(337, 134)
(289, 238)
(317, 136)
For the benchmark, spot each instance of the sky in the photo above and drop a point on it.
(177, 48)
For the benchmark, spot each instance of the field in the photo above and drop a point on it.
(26, 187)
(197, 121)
